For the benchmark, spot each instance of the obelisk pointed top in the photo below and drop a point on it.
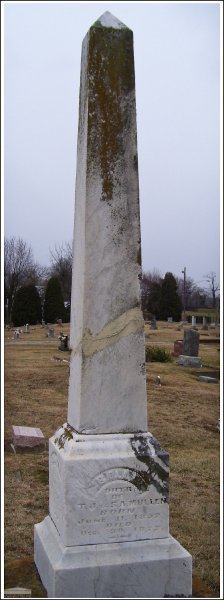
(108, 20)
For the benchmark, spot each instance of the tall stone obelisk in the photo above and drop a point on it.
(107, 339)
(107, 535)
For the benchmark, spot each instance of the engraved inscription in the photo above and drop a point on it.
(120, 512)
(137, 476)
(119, 473)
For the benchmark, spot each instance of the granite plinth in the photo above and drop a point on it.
(189, 361)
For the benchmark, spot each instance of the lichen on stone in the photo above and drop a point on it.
(65, 436)
(156, 474)
(139, 257)
(111, 79)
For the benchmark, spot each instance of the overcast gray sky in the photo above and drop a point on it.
(177, 53)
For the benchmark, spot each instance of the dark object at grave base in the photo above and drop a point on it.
(64, 344)
(210, 340)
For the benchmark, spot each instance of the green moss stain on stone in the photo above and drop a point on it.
(66, 435)
(111, 79)
(141, 481)
(136, 160)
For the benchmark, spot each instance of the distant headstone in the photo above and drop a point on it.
(27, 437)
(64, 343)
(178, 347)
(50, 332)
(153, 324)
(16, 334)
(42, 323)
(189, 361)
(191, 342)
(208, 379)
(193, 321)
(59, 322)
(107, 533)
(170, 319)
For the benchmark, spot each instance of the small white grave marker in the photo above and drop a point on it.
(17, 592)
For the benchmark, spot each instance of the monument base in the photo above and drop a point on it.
(139, 569)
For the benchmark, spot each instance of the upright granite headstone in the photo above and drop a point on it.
(107, 535)
(153, 324)
(191, 342)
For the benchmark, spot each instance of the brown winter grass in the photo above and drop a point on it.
(183, 415)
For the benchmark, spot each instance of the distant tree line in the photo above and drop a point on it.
(34, 292)
(161, 296)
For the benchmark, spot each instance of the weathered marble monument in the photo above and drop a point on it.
(107, 533)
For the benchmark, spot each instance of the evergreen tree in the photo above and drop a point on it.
(170, 305)
(53, 303)
(154, 299)
(26, 306)
(20, 269)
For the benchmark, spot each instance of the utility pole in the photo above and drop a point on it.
(184, 272)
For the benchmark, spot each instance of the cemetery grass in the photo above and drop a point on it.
(183, 415)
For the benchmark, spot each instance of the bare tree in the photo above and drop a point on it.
(61, 267)
(195, 296)
(213, 286)
(19, 269)
(152, 276)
